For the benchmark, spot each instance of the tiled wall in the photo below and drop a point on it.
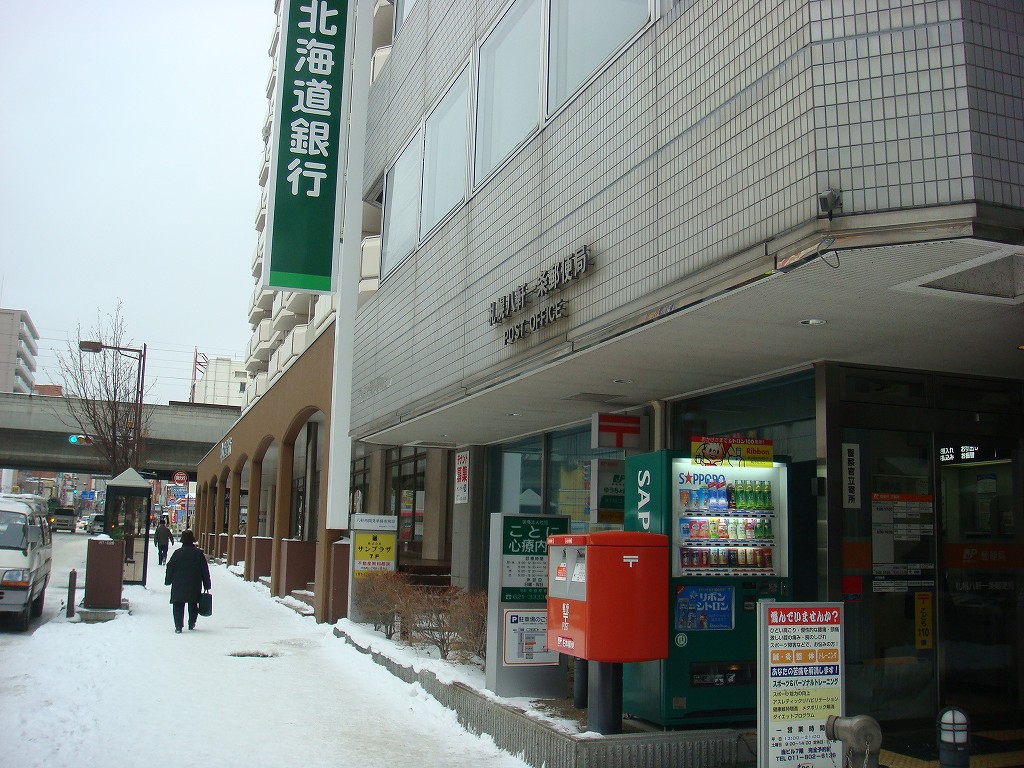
(713, 132)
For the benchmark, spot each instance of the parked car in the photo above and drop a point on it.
(82, 524)
(26, 557)
(96, 524)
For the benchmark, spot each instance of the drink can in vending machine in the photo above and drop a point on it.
(758, 558)
(684, 498)
(734, 558)
(684, 527)
(704, 558)
(766, 558)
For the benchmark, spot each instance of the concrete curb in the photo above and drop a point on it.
(542, 746)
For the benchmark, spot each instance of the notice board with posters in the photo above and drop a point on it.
(799, 683)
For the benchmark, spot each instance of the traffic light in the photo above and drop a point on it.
(79, 439)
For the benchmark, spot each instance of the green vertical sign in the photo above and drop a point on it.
(649, 488)
(524, 556)
(306, 148)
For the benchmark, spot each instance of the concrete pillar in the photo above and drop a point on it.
(469, 528)
(252, 524)
(234, 501)
(325, 539)
(435, 504)
(282, 514)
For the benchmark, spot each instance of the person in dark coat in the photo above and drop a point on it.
(164, 538)
(187, 573)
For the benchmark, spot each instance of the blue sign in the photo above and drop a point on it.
(705, 608)
(88, 495)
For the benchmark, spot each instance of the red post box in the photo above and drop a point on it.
(608, 596)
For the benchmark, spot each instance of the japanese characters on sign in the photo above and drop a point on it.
(549, 281)
(800, 682)
(373, 552)
(524, 562)
(462, 477)
(525, 639)
(306, 147)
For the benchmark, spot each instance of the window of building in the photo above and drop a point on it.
(406, 473)
(508, 101)
(515, 485)
(570, 477)
(583, 34)
(401, 198)
(359, 484)
(444, 154)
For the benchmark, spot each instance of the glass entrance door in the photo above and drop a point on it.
(982, 589)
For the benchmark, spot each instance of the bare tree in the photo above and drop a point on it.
(101, 391)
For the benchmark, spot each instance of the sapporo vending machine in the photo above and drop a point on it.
(722, 506)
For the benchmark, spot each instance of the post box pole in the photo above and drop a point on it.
(605, 712)
(579, 683)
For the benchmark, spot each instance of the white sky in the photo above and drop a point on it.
(132, 692)
(130, 147)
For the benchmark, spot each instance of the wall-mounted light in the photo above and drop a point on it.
(830, 200)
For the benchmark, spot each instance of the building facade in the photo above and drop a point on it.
(224, 382)
(19, 346)
(798, 222)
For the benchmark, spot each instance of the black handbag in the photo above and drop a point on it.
(205, 604)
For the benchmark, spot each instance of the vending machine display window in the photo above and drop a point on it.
(728, 520)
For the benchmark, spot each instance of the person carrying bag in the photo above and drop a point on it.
(188, 574)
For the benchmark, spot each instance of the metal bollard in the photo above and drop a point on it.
(861, 737)
(72, 581)
(953, 729)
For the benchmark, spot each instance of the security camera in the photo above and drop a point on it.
(830, 200)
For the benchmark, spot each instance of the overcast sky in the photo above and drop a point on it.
(130, 146)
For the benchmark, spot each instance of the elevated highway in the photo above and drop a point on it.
(34, 432)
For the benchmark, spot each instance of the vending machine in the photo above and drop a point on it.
(723, 507)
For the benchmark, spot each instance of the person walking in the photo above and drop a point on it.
(164, 538)
(187, 573)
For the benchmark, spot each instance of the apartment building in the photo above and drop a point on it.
(19, 346)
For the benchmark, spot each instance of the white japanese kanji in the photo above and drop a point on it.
(315, 56)
(319, 16)
(313, 97)
(309, 137)
(315, 171)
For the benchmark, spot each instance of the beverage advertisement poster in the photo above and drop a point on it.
(799, 683)
(731, 451)
(705, 608)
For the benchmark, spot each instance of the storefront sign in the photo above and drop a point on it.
(549, 281)
(374, 522)
(612, 430)
(526, 639)
(225, 448)
(799, 683)
(851, 476)
(462, 477)
(305, 148)
(524, 561)
(373, 552)
(731, 452)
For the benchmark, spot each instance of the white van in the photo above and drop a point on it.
(26, 557)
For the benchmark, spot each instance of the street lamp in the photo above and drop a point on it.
(140, 384)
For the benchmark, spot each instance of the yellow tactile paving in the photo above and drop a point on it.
(996, 760)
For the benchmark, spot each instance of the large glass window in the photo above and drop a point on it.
(515, 486)
(444, 161)
(583, 34)
(509, 87)
(401, 198)
(572, 475)
(406, 470)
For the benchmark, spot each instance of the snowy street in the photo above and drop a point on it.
(255, 684)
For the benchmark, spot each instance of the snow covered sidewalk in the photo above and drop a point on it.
(256, 684)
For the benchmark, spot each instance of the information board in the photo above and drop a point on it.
(525, 638)
(524, 556)
(799, 683)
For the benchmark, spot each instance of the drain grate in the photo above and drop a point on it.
(253, 654)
